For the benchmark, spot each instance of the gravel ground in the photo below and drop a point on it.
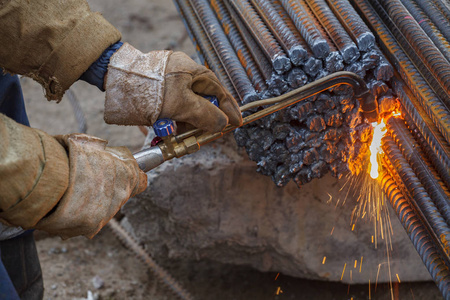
(102, 266)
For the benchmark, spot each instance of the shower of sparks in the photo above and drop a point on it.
(371, 206)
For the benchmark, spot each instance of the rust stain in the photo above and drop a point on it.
(446, 244)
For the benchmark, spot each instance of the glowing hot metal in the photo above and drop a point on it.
(375, 147)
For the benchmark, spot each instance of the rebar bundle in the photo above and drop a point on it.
(272, 47)
(284, 44)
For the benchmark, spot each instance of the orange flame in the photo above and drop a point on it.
(375, 147)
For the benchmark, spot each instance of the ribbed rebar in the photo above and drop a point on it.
(161, 274)
(353, 23)
(259, 57)
(429, 59)
(78, 111)
(418, 234)
(411, 151)
(312, 65)
(331, 24)
(333, 61)
(205, 48)
(444, 8)
(433, 33)
(437, 149)
(224, 50)
(308, 30)
(419, 197)
(239, 45)
(287, 39)
(428, 100)
(284, 16)
(280, 62)
(440, 18)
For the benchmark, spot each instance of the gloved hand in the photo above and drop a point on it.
(140, 88)
(101, 180)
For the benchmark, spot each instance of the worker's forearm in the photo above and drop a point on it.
(52, 41)
(34, 173)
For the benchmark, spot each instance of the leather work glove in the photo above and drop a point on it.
(140, 88)
(101, 180)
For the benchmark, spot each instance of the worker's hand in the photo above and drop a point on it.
(101, 180)
(140, 88)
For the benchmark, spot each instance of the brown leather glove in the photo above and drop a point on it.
(140, 88)
(101, 180)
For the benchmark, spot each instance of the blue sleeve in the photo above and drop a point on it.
(96, 73)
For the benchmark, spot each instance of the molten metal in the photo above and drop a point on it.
(375, 147)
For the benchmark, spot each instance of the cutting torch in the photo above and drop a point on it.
(172, 146)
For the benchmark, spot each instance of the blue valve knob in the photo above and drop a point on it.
(163, 127)
(212, 99)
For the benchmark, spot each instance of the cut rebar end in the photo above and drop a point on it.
(298, 55)
(350, 53)
(320, 49)
(281, 64)
(366, 41)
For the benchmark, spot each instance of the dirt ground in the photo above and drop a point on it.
(102, 268)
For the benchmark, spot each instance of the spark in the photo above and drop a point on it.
(356, 263)
(331, 197)
(324, 259)
(378, 273)
(398, 278)
(360, 265)
(279, 291)
(332, 230)
(276, 277)
(353, 227)
(343, 271)
(375, 147)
